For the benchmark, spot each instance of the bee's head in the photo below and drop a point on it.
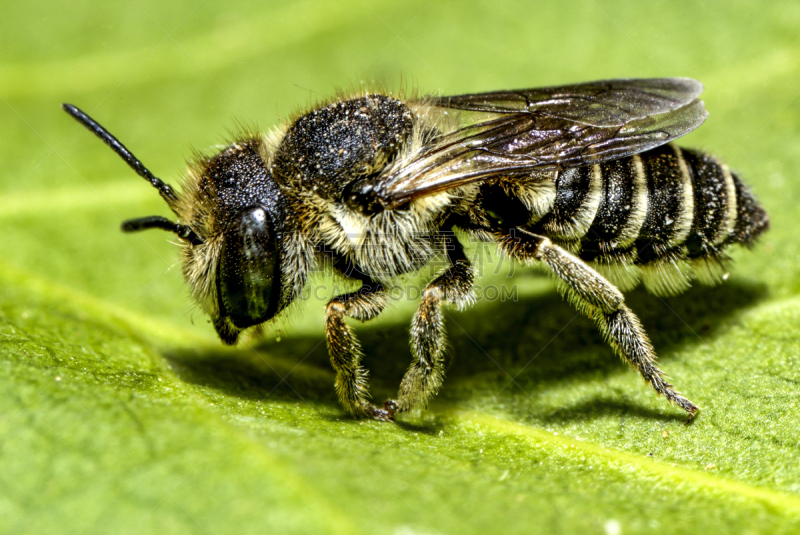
(247, 274)
(232, 223)
(245, 216)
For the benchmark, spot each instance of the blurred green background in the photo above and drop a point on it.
(121, 413)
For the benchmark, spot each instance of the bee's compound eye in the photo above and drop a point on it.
(247, 280)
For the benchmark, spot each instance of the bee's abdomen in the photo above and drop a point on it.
(579, 193)
(671, 206)
(664, 215)
(727, 211)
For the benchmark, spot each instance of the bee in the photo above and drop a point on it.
(581, 179)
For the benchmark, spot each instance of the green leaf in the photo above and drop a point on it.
(122, 413)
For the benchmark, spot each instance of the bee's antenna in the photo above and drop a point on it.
(156, 221)
(166, 191)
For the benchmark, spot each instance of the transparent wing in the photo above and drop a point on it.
(514, 132)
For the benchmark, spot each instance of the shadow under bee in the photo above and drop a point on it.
(278, 372)
(542, 341)
(297, 370)
(536, 340)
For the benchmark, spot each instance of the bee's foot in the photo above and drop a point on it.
(692, 415)
(384, 414)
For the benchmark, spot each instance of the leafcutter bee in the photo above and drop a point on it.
(581, 179)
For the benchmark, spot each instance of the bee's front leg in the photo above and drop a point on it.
(428, 338)
(345, 350)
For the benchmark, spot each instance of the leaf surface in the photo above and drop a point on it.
(122, 413)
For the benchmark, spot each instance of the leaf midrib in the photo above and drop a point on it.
(778, 501)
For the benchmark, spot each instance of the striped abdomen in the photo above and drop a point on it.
(655, 215)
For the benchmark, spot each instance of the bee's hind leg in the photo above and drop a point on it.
(593, 295)
(428, 337)
(345, 350)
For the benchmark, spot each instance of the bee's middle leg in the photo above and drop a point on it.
(345, 350)
(428, 337)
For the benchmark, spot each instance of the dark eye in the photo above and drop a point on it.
(247, 280)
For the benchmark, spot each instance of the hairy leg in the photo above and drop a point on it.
(594, 296)
(428, 337)
(345, 350)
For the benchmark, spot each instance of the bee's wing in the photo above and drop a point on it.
(549, 128)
